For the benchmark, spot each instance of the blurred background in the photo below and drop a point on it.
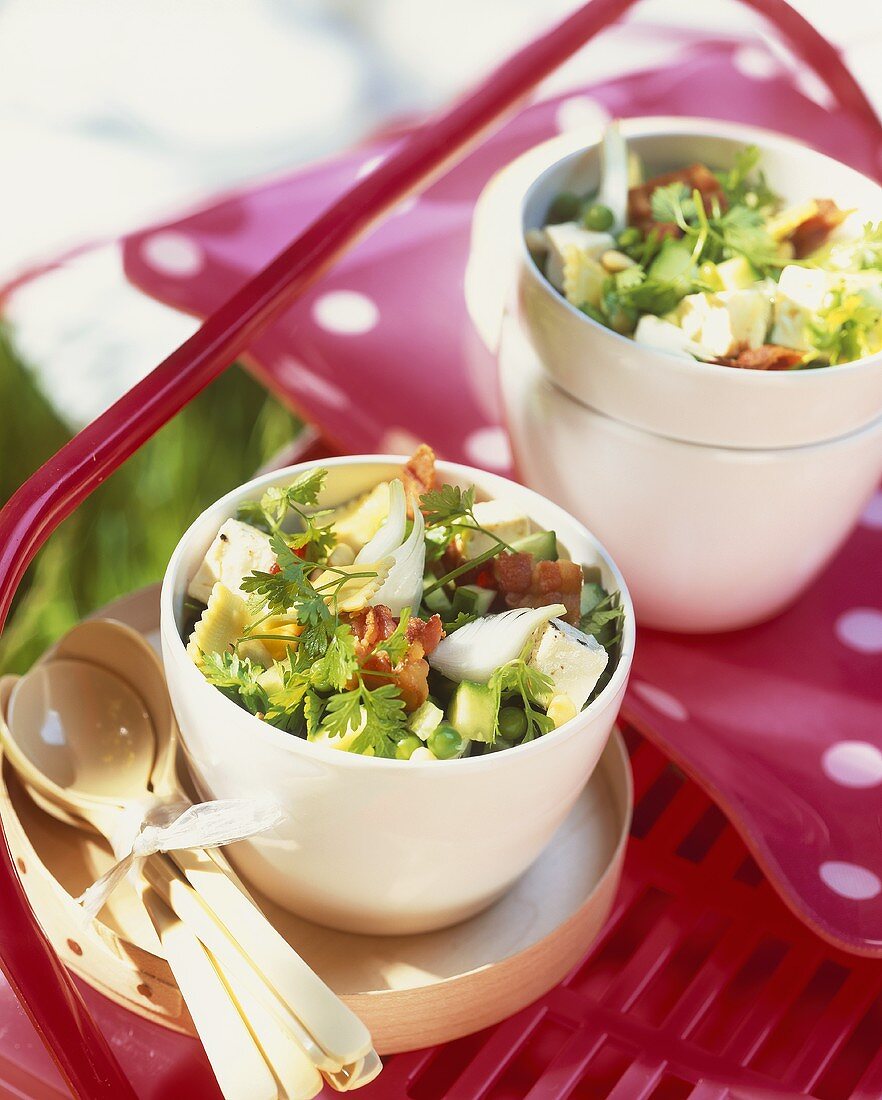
(114, 114)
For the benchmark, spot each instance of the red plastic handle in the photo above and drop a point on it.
(56, 489)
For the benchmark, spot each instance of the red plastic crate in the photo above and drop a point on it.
(701, 986)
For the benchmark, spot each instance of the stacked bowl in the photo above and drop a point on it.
(721, 492)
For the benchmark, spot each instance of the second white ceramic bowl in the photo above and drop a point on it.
(385, 846)
(673, 395)
(709, 538)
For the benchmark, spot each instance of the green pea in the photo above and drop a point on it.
(512, 723)
(597, 217)
(444, 741)
(407, 746)
(629, 237)
(564, 208)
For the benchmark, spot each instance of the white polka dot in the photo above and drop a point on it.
(399, 441)
(861, 629)
(405, 206)
(580, 111)
(489, 447)
(346, 312)
(308, 384)
(812, 87)
(872, 516)
(853, 764)
(662, 701)
(755, 63)
(172, 253)
(850, 880)
(369, 165)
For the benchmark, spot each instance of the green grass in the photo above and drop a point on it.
(123, 535)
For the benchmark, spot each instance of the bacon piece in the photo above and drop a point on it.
(418, 474)
(766, 357)
(411, 675)
(427, 632)
(372, 626)
(695, 177)
(525, 583)
(814, 231)
(513, 572)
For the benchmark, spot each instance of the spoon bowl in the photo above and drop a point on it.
(84, 729)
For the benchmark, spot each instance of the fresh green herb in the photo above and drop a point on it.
(840, 331)
(604, 621)
(377, 714)
(448, 511)
(300, 497)
(396, 645)
(864, 253)
(716, 234)
(237, 679)
(337, 665)
(518, 680)
(745, 184)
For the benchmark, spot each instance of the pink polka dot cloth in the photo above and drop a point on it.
(782, 723)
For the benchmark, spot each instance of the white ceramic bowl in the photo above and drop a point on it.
(709, 538)
(385, 846)
(675, 396)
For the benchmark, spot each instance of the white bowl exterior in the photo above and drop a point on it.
(674, 395)
(709, 538)
(379, 846)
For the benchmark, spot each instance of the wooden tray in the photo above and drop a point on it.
(411, 991)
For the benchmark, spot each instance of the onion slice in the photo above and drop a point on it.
(478, 649)
(403, 587)
(613, 191)
(390, 536)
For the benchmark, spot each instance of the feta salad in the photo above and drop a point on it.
(413, 623)
(713, 265)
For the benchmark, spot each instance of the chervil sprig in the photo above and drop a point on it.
(300, 497)
(396, 645)
(519, 681)
(376, 713)
(237, 679)
(449, 511)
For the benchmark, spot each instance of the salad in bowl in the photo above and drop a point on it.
(414, 622)
(422, 662)
(715, 264)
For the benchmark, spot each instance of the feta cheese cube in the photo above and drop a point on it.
(571, 235)
(728, 321)
(799, 295)
(500, 519)
(574, 661)
(666, 336)
(236, 552)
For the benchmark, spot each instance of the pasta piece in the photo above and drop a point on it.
(357, 590)
(221, 624)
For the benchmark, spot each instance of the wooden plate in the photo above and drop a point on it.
(411, 991)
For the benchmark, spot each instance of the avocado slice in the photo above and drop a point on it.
(473, 711)
(541, 544)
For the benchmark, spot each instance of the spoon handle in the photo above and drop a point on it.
(238, 1065)
(333, 1026)
(297, 1077)
(180, 896)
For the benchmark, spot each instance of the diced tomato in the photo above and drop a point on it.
(275, 567)
(485, 579)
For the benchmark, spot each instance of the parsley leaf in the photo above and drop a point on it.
(841, 329)
(744, 185)
(604, 621)
(396, 645)
(272, 510)
(338, 664)
(531, 687)
(377, 714)
(237, 679)
(447, 512)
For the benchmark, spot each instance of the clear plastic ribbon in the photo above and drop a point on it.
(146, 829)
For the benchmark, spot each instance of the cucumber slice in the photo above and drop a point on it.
(439, 602)
(541, 544)
(425, 720)
(472, 599)
(473, 711)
